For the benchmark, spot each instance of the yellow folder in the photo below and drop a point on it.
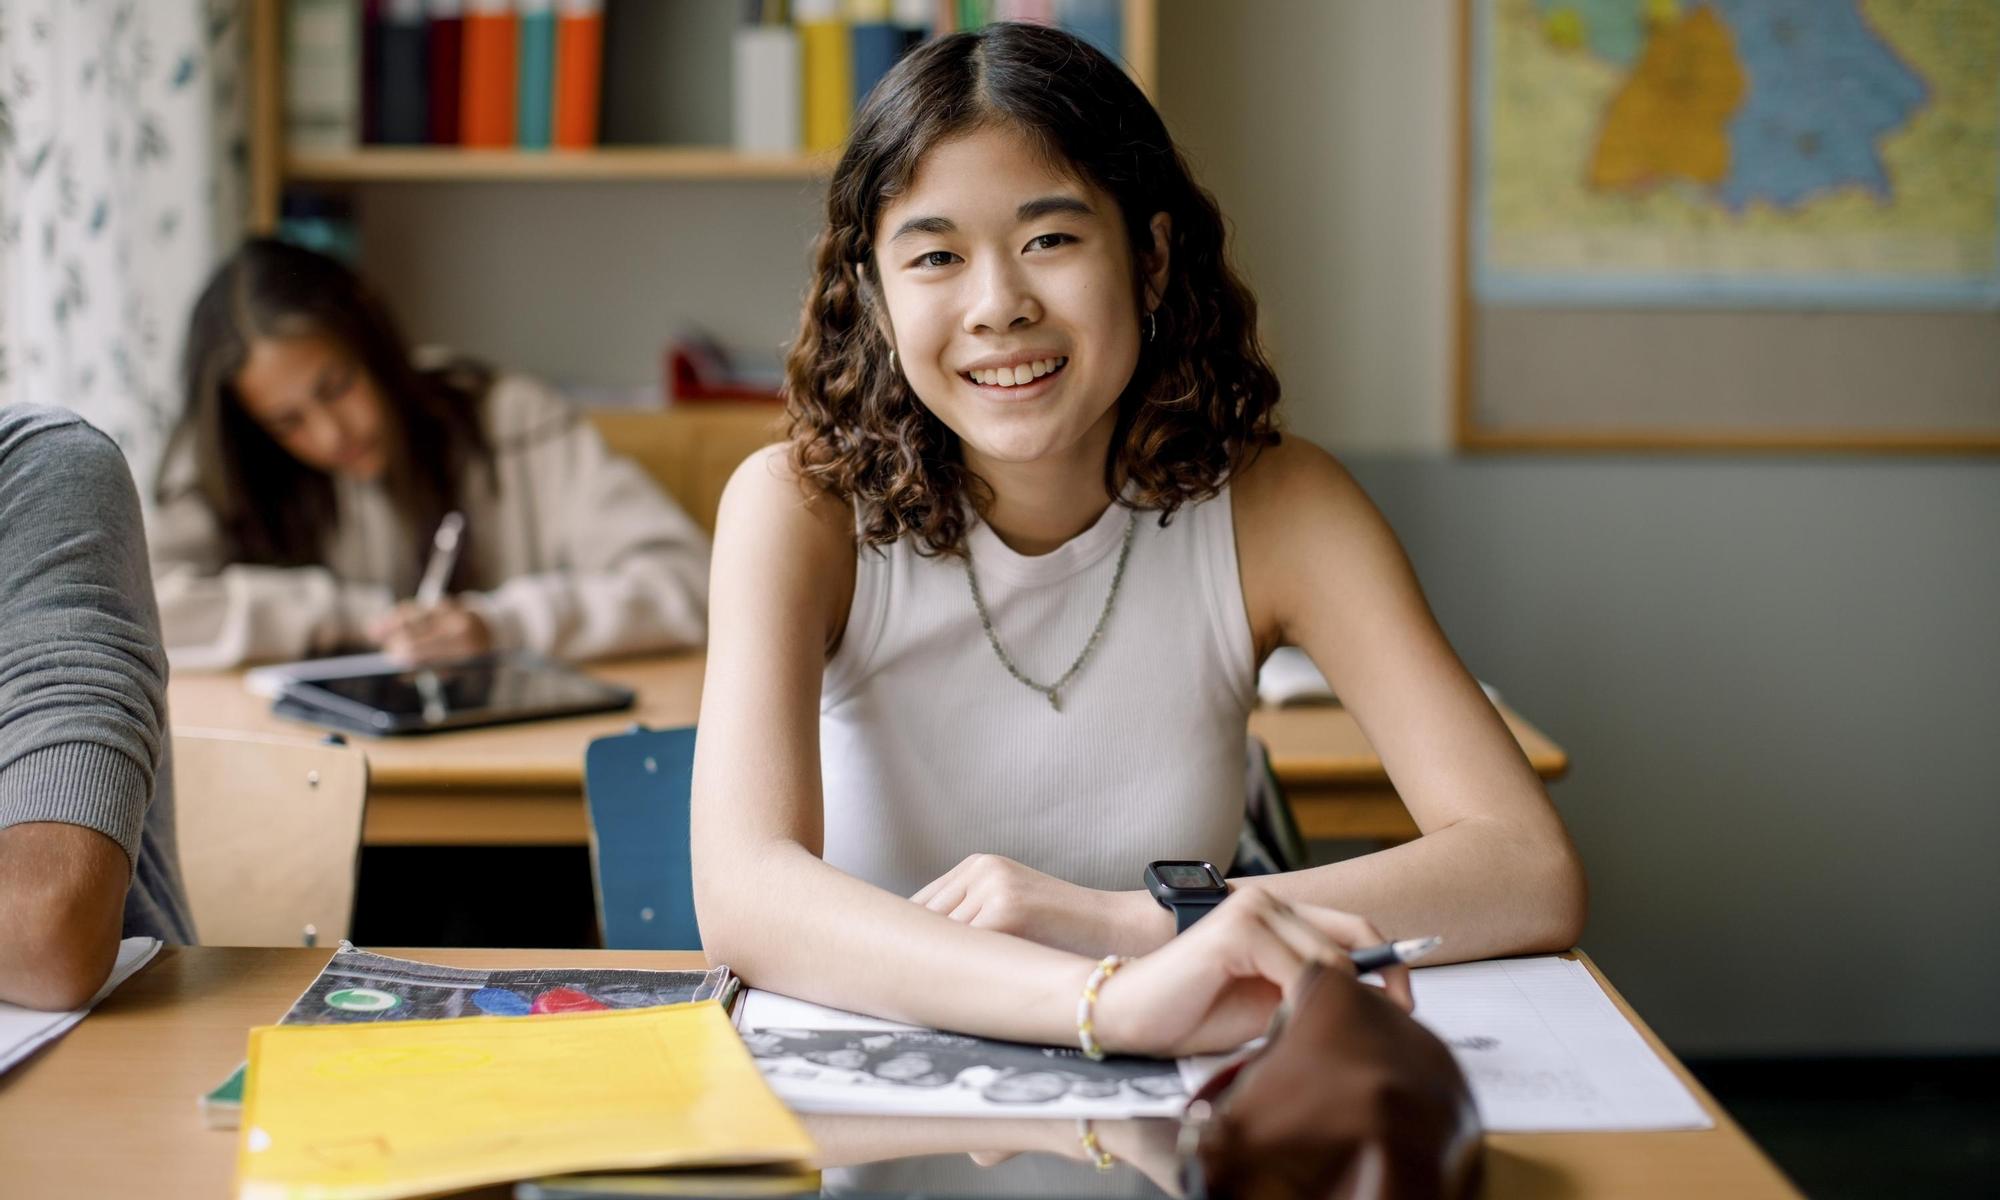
(409, 1108)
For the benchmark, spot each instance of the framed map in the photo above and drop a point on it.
(1737, 152)
(1729, 224)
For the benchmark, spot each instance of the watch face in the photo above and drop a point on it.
(1185, 876)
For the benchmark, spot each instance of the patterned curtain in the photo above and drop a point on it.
(122, 184)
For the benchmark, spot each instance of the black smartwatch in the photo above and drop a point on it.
(1188, 886)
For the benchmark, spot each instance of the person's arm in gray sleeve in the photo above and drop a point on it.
(82, 704)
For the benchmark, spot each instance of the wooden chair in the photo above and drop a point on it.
(636, 787)
(692, 450)
(269, 832)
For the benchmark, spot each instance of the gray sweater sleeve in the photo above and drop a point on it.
(82, 674)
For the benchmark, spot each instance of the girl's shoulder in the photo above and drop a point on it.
(1292, 477)
(794, 540)
(766, 498)
(1296, 506)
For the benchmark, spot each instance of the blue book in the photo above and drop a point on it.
(402, 104)
(535, 122)
(877, 46)
(1099, 22)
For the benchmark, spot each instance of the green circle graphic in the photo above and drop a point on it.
(362, 1000)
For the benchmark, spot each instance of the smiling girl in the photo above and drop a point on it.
(986, 630)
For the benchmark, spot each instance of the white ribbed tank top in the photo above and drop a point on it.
(930, 750)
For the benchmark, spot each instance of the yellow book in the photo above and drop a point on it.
(826, 60)
(410, 1108)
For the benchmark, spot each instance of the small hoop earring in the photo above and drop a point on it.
(1152, 327)
(893, 368)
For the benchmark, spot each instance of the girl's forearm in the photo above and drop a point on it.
(785, 921)
(1488, 888)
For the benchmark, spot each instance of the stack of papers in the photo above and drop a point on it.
(25, 1030)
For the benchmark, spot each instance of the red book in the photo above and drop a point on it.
(487, 105)
(579, 71)
(447, 35)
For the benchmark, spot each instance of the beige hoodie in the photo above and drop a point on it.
(575, 554)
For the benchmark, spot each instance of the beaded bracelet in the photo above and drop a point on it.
(1086, 1006)
(1099, 1156)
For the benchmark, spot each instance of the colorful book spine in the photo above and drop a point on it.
(766, 109)
(1034, 12)
(444, 49)
(913, 20)
(579, 81)
(487, 83)
(826, 55)
(973, 14)
(878, 43)
(1099, 22)
(534, 115)
(401, 101)
(322, 75)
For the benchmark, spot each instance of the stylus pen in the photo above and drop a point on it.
(1393, 954)
(444, 556)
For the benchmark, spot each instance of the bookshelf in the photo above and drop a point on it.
(389, 164)
(273, 165)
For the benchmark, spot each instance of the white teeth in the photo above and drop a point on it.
(1015, 376)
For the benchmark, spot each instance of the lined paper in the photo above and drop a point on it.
(1546, 1050)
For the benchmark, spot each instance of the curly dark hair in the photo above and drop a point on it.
(1200, 404)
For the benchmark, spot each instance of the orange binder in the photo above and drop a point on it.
(487, 102)
(579, 71)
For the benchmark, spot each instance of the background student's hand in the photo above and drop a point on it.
(991, 891)
(414, 633)
(1215, 987)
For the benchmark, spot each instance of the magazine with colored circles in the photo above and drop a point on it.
(357, 986)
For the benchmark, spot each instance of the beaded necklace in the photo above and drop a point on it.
(1053, 690)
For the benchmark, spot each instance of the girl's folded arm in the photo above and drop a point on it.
(1494, 871)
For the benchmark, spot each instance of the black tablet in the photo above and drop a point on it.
(491, 690)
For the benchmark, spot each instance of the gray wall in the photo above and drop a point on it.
(1779, 680)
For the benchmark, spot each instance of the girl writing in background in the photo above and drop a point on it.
(316, 458)
(986, 630)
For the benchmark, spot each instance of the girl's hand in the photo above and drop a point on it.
(990, 891)
(448, 629)
(1215, 987)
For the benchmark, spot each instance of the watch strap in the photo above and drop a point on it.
(1187, 912)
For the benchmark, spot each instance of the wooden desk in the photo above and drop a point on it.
(110, 1110)
(523, 784)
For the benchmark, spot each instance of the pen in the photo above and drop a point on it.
(1390, 954)
(444, 556)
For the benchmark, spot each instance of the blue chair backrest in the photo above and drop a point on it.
(635, 786)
